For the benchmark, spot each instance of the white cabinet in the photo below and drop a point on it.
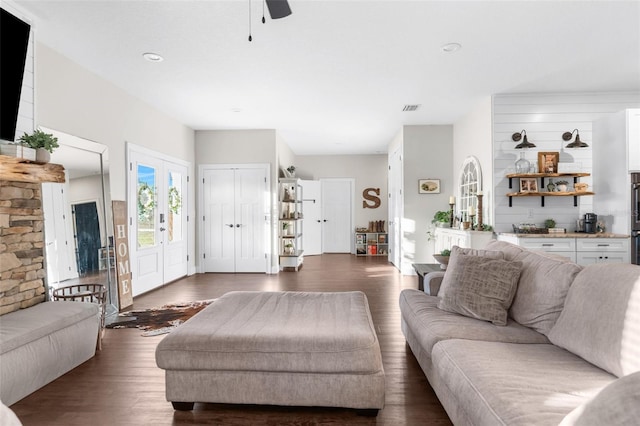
(565, 247)
(581, 250)
(290, 223)
(603, 250)
(449, 237)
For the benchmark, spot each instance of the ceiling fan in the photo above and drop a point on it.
(278, 8)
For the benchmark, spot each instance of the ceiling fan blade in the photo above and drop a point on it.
(278, 8)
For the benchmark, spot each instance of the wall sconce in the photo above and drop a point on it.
(525, 143)
(576, 143)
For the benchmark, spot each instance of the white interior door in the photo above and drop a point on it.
(58, 233)
(219, 220)
(395, 207)
(250, 190)
(312, 222)
(234, 222)
(337, 202)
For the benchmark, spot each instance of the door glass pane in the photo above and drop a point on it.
(146, 206)
(174, 225)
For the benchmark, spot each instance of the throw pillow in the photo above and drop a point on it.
(481, 288)
(616, 404)
(599, 322)
(457, 251)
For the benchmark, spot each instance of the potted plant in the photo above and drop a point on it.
(288, 248)
(443, 258)
(290, 171)
(442, 219)
(561, 185)
(549, 223)
(43, 143)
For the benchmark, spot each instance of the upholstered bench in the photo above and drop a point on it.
(278, 348)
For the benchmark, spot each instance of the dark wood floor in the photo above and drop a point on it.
(122, 385)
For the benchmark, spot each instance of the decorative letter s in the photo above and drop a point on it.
(372, 198)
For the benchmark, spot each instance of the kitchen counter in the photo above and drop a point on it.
(567, 235)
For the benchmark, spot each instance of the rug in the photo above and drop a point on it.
(162, 320)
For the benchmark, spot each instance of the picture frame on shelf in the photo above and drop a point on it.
(428, 186)
(548, 162)
(528, 185)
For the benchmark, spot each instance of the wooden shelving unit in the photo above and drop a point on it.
(290, 224)
(543, 194)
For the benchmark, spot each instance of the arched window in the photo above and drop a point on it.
(470, 184)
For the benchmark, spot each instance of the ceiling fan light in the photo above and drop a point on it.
(278, 8)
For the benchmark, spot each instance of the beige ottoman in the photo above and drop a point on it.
(279, 348)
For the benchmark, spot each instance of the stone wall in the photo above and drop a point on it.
(21, 246)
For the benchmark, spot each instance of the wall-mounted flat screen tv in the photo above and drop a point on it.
(14, 41)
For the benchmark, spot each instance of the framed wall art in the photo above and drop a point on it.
(428, 186)
(528, 185)
(548, 162)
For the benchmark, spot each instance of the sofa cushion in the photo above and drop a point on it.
(27, 325)
(480, 287)
(542, 288)
(617, 404)
(601, 318)
(514, 384)
(431, 325)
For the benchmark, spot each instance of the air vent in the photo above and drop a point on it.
(410, 108)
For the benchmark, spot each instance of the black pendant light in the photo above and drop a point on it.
(525, 143)
(278, 8)
(576, 143)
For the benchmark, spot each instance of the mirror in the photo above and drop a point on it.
(77, 218)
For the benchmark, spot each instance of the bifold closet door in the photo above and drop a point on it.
(234, 220)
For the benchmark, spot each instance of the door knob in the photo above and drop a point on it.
(319, 221)
(162, 229)
(230, 225)
(238, 225)
(325, 220)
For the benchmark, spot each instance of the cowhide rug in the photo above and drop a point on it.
(162, 320)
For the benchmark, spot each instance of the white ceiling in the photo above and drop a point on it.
(333, 77)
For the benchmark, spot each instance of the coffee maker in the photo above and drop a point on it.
(590, 220)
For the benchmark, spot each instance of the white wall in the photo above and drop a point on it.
(73, 100)
(545, 117)
(472, 137)
(427, 153)
(368, 171)
(242, 147)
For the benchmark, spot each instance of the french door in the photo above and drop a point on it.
(158, 211)
(235, 218)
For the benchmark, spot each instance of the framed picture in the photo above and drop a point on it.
(428, 186)
(528, 185)
(548, 162)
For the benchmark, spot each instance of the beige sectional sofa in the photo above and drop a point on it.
(569, 352)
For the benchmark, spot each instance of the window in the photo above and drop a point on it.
(470, 184)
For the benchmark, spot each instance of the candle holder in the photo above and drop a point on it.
(480, 225)
(471, 216)
(451, 214)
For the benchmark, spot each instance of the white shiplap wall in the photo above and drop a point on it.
(545, 117)
(26, 110)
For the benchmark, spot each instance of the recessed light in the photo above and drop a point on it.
(451, 47)
(236, 109)
(152, 57)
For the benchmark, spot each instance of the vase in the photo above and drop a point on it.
(522, 165)
(42, 156)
